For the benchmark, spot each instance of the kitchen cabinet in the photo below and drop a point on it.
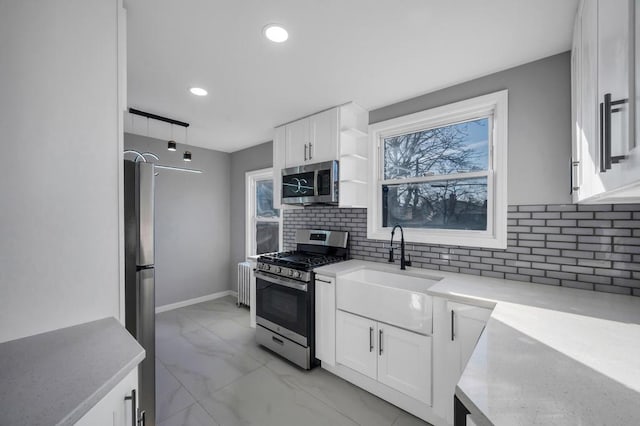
(356, 343)
(313, 139)
(339, 133)
(114, 409)
(325, 319)
(394, 357)
(605, 162)
(457, 328)
(466, 325)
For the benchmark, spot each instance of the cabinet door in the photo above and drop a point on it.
(323, 136)
(325, 319)
(297, 143)
(467, 323)
(404, 361)
(356, 343)
(587, 150)
(618, 154)
(613, 67)
(113, 409)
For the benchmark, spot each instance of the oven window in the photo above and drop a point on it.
(298, 185)
(284, 306)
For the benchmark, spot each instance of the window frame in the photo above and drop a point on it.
(493, 105)
(251, 220)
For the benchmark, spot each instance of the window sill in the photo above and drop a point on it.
(451, 238)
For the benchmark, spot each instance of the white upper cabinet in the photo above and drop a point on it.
(323, 136)
(605, 157)
(297, 143)
(312, 140)
(338, 133)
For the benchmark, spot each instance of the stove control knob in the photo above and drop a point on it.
(290, 273)
(278, 269)
(298, 274)
(267, 267)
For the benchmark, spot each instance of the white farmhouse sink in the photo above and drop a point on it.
(398, 299)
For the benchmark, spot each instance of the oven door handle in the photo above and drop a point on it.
(286, 282)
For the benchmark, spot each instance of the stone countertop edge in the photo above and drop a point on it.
(476, 414)
(58, 376)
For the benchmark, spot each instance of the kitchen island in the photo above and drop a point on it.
(55, 378)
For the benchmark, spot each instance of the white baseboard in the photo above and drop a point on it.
(193, 301)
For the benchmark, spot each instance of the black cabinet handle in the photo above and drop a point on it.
(380, 342)
(606, 109)
(134, 410)
(310, 145)
(370, 339)
(305, 152)
(453, 336)
(607, 131)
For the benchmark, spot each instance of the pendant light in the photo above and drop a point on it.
(187, 156)
(171, 145)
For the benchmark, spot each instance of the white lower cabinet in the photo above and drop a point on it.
(356, 343)
(114, 409)
(394, 357)
(466, 325)
(325, 319)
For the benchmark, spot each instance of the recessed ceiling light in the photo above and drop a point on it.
(276, 33)
(198, 91)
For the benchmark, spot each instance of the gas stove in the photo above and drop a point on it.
(295, 264)
(314, 248)
(285, 294)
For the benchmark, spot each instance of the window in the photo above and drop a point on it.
(441, 174)
(264, 223)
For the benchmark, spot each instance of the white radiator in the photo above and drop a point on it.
(244, 280)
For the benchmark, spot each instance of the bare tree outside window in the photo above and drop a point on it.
(452, 152)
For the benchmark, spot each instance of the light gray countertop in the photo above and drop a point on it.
(54, 378)
(548, 355)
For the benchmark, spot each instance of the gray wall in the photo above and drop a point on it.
(539, 124)
(59, 238)
(192, 221)
(254, 158)
(550, 241)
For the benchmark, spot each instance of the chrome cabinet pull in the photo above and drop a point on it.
(370, 339)
(310, 146)
(305, 152)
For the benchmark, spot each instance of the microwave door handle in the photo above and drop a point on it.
(316, 177)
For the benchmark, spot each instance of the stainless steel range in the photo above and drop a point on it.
(285, 294)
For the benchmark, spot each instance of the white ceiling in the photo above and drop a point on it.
(373, 52)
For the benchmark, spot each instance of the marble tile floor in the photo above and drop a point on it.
(210, 371)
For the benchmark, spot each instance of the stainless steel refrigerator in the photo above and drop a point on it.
(140, 298)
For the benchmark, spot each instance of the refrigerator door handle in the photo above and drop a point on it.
(145, 194)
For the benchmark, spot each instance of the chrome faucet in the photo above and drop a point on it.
(403, 262)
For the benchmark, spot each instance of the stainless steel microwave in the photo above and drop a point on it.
(311, 184)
